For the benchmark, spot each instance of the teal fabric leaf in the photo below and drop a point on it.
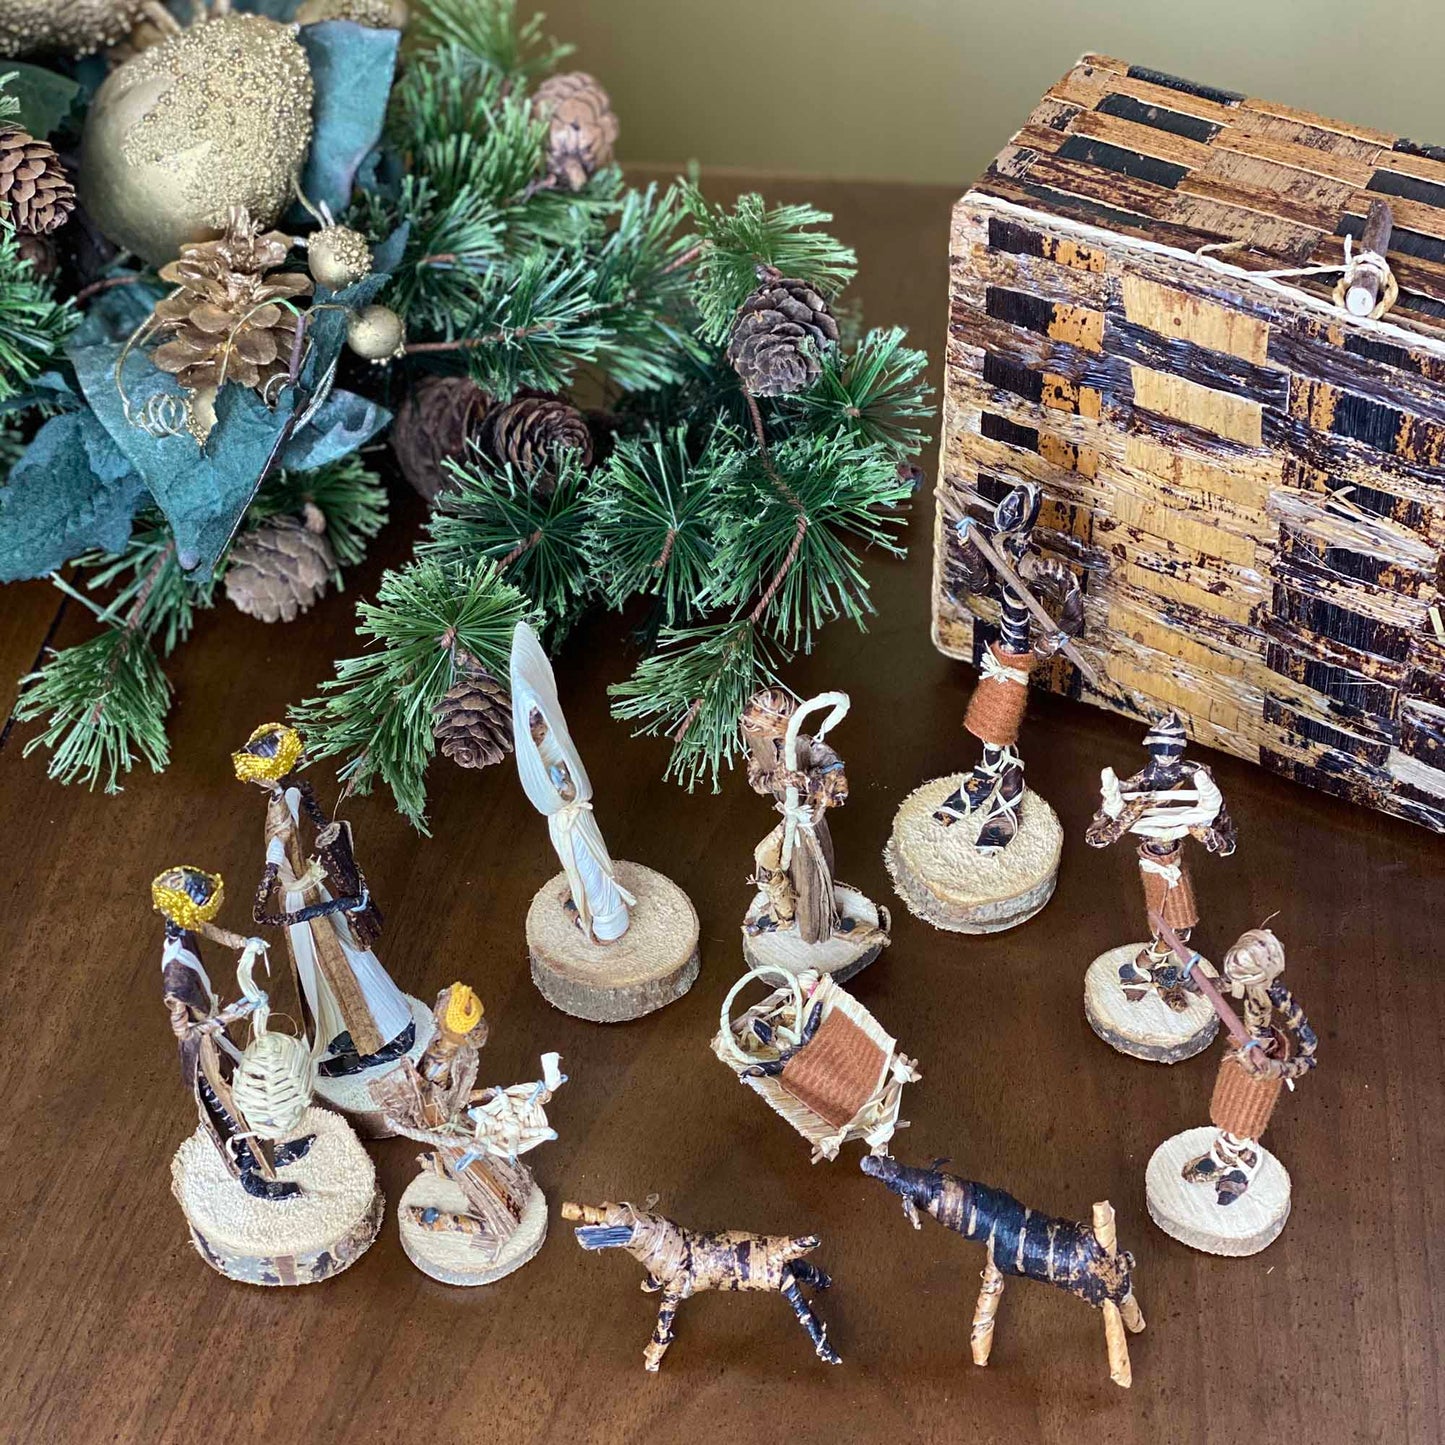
(115, 313)
(203, 492)
(352, 67)
(342, 423)
(45, 97)
(72, 490)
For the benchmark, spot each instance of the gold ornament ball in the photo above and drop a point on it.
(338, 257)
(375, 333)
(63, 27)
(378, 14)
(217, 116)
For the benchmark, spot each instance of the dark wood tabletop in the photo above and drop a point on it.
(114, 1330)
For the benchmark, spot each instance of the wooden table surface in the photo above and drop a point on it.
(113, 1329)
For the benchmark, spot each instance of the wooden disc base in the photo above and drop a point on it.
(653, 963)
(947, 882)
(1145, 1028)
(303, 1240)
(847, 952)
(453, 1258)
(1191, 1214)
(350, 1094)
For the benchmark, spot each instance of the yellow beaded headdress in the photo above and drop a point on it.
(188, 897)
(463, 1011)
(271, 752)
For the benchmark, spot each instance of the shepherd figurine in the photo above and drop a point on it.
(802, 919)
(1219, 1189)
(1135, 996)
(979, 852)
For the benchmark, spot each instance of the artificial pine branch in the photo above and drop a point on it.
(33, 324)
(377, 712)
(653, 515)
(693, 689)
(532, 528)
(874, 394)
(488, 30)
(733, 243)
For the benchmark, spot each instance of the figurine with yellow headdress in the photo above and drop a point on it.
(361, 1024)
(475, 1212)
(274, 1190)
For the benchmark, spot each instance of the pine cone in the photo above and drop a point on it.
(279, 569)
(583, 127)
(473, 721)
(778, 333)
(225, 322)
(33, 183)
(441, 417)
(529, 427)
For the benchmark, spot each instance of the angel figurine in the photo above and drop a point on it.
(360, 1022)
(263, 1168)
(801, 918)
(1135, 996)
(475, 1212)
(956, 852)
(1218, 1188)
(608, 941)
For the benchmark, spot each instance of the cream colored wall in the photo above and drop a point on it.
(928, 90)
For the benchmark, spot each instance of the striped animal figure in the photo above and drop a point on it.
(682, 1262)
(1084, 1261)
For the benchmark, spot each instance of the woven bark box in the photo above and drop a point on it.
(1247, 479)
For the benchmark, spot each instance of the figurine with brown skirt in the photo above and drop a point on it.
(275, 1191)
(1217, 1188)
(683, 1262)
(802, 919)
(608, 941)
(361, 1024)
(979, 852)
(474, 1214)
(1135, 996)
(1083, 1259)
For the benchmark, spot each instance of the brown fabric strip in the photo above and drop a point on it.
(836, 1073)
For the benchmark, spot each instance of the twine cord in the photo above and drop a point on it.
(1355, 265)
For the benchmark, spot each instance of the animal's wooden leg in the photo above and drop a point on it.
(981, 1335)
(662, 1336)
(817, 1330)
(1115, 1340)
(1131, 1314)
(811, 1275)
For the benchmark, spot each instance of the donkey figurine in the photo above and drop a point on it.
(1084, 1261)
(682, 1262)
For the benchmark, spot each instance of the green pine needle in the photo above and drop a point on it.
(488, 30)
(736, 242)
(845, 493)
(653, 511)
(377, 712)
(531, 528)
(693, 689)
(105, 702)
(33, 324)
(876, 394)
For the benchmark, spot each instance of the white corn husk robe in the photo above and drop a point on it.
(601, 902)
(386, 1002)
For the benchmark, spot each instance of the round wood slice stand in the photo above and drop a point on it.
(303, 1240)
(1191, 1214)
(653, 963)
(1145, 1028)
(350, 1094)
(847, 952)
(454, 1258)
(947, 882)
